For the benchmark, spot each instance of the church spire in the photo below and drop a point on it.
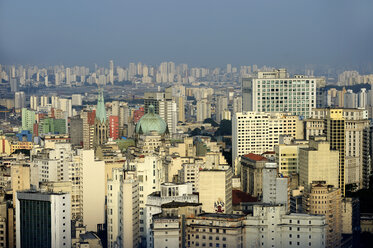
(100, 108)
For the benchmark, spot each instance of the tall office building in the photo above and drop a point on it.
(344, 129)
(76, 130)
(277, 92)
(19, 100)
(43, 219)
(335, 131)
(257, 132)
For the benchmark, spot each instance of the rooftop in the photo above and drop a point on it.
(239, 196)
(255, 157)
(221, 216)
(174, 204)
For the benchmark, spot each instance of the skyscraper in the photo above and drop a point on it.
(123, 210)
(19, 100)
(111, 72)
(43, 219)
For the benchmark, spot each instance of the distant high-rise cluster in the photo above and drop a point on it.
(179, 156)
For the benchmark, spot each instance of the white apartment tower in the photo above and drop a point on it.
(123, 210)
(277, 92)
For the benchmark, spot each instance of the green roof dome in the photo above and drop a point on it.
(151, 122)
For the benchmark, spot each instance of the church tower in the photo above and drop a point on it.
(101, 122)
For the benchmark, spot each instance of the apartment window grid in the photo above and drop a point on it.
(294, 96)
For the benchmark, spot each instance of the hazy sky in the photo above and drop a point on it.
(198, 32)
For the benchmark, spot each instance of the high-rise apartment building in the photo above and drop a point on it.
(203, 110)
(277, 92)
(44, 101)
(257, 132)
(88, 128)
(123, 210)
(221, 107)
(43, 219)
(114, 127)
(28, 119)
(34, 102)
(325, 200)
(19, 100)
